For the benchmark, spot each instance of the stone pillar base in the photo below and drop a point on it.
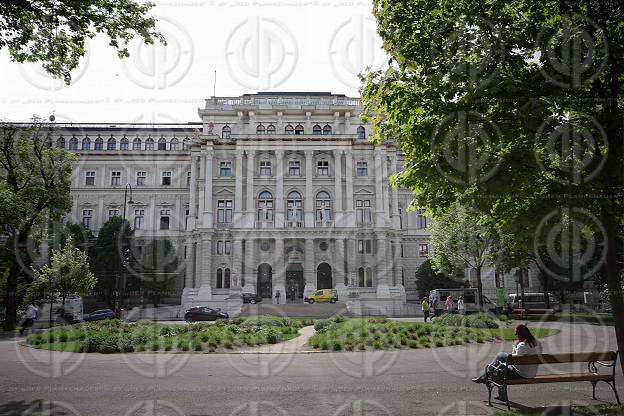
(383, 291)
(204, 293)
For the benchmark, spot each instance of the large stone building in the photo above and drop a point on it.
(269, 192)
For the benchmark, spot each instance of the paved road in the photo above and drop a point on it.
(407, 382)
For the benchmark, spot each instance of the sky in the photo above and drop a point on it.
(280, 45)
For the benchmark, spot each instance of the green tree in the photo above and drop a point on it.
(459, 242)
(34, 189)
(61, 232)
(109, 257)
(158, 270)
(428, 279)
(54, 32)
(481, 95)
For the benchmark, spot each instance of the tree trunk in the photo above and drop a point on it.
(51, 307)
(479, 287)
(522, 274)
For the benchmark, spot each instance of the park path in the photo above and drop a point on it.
(295, 345)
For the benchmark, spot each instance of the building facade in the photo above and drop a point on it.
(269, 192)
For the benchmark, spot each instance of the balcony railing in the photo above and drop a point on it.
(284, 100)
(223, 225)
(294, 224)
(325, 223)
(265, 224)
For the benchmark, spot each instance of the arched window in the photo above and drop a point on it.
(124, 144)
(294, 208)
(226, 132)
(361, 132)
(316, 130)
(60, 142)
(289, 129)
(162, 144)
(260, 129)
(361, 282)
(73, 143)
(369, 277)
(327, 129)
(186, 144)
(136, 144)
(174, 144)
(86, 143)
(299, 129)
(226, 278)
(111, 144)
(265, 207)
(323, 207)
(99, 143)
(219, 278)
(149, 144)
(271, 129)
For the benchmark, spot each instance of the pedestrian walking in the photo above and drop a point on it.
(277, 296)
(31, 316)
(425, 308)
(461, 305)
(448, 305)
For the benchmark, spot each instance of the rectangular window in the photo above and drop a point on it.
(149, 144)
(141, 178)
(294, 168)
(225, 168)
(224, 247)
(139, 219)
(421, 219)
(90, 178)
(115, 178)
(224, 211)
(166, 178)
(499, 280)
(87, 216)
(363, 211)
(423, 250)
(188, 178)
(265, 168)
(124, 144)
(113, 213)
(369, 246)
(228, 247)
(362, 169)
(162, 144)
(164, 219)
(220, 247)
(360, 246)
(322, 168)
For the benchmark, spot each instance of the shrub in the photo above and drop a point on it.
(348, 346)
(477, 320)
(109, 345)
(377, 345)
(228, 344)
(324, 345)
(336, 345)
(324, 325)
(197, 345)
(272, 336)
(439, 343)
(412, 344)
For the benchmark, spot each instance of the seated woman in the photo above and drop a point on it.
(525, 345)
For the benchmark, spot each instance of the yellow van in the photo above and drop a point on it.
(322, 295)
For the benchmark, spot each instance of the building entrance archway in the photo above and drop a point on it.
(265, 281)
(294, 283)
(324, 276)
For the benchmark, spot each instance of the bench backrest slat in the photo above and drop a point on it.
(567, 357)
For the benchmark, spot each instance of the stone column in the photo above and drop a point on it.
(251, 170)
(349, 209)
(351, 262)
(396, 219)
(279, 271)
(238, 189)
(339, 264)
(398, 263)
(193, 193)
(308, 208)
(338, 221)
(250, 267)
(379, 203)
(309, 268)
(206, 261)
(189, 263)
(383, 290)
(278, 203)
(237, 264)
(386, 188)
(208, 200)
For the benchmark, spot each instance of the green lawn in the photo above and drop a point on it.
(380, 333)
(117, 336)
(603, 410)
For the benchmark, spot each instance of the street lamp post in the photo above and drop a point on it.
(126, 253)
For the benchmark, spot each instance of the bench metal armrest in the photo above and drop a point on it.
(591, 366)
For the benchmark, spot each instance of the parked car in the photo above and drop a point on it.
(251, 298)
(470, 300)
(533, 300)
(322, 295)
(100, 315)
(204, 313)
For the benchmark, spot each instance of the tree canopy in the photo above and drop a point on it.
(55, 32)
(427, 279)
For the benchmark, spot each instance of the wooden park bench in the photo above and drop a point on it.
(604, 359)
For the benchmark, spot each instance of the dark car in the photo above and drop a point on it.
(100, 315)
(204, 313)
(251, 298)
